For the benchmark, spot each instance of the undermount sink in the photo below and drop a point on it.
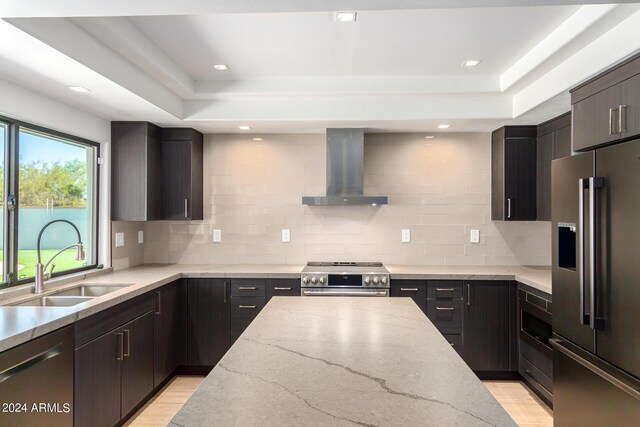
(92, 290)
(55, 301)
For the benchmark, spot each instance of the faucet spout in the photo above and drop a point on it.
(41, 275)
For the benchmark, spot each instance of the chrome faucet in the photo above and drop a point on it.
(41, 275)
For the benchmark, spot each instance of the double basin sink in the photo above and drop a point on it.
(75, 295)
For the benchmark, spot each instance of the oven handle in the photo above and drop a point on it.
(345, 293)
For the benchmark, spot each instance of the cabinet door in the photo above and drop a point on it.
(208, 337)
(137, 367)
(594, 120)
(630, 113)
(562, 143)
(543, 176)
(98, 368)
(520, 179)
(414, 289)
(176, 180)
(488, 324)
(168, 331)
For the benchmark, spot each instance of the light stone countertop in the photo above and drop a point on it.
(21, 324)
(338, 362)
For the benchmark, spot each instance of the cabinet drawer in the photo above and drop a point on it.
(244, 310)
(445, 315)
(247, 288)
(282, 287)
(456, 342)
(444, 289)
(530, 372)
(415, 289)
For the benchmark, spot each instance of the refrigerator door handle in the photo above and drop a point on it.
(558, 346)
(583, 184)
(594, 323)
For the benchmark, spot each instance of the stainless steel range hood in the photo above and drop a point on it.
(345, 171)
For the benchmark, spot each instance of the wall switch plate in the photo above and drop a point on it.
(140, 236)
(119, 240)
(475, 236)
(217, 235)
(286, 235)
(406, 235)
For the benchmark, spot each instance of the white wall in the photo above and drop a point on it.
(23, 104)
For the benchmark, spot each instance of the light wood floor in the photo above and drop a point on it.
(522, 404)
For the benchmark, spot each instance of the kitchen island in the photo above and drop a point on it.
(341, 361)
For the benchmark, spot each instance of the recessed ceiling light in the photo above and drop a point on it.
(429, 137)
(244, 127)
(257, 139)
(221, 67)
(79, 89)
(470, 63)
(443, 126)
(345, 16)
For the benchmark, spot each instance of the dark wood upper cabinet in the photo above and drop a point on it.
(208, 329)
(490, 326)
(169, 330)
(606, 109)
(513, 173)
(136, 171)
(554, 142)
(182, 174)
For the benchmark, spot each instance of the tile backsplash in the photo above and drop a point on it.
(132, 253)
(438, 188)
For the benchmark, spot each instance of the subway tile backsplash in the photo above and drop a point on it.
(439, 188)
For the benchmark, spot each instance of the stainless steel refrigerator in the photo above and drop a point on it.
(596, 287)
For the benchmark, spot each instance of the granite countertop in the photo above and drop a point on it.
(341, 361)
(20, 324)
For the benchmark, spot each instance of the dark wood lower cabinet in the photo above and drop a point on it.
(490, 345)
(137, 366)
(207, 323)
(415, 289)
(169, 330)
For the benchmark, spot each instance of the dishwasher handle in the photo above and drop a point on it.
(30, 362)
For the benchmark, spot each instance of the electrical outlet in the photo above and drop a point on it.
(286, 235)
(406, 235)
(475, 236)
(140, 236)
(217, 235)
(119, 240)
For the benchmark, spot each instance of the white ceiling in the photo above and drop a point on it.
(293, 69)
(379, 43)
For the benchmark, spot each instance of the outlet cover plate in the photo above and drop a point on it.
(406, 235)
(119, 240)
(286, 235)
(474, 236)
(217, 235)
(140, 236)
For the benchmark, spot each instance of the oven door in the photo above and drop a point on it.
(344, 292)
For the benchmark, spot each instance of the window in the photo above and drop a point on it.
(51, 176)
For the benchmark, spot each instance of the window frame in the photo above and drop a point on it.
(12, 186)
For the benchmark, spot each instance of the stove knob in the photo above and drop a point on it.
(314, 280)
(322, 279)
(376, 280)
(367, 280)
(305, 280)
(384, 280)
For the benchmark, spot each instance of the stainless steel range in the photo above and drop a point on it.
(350, 279)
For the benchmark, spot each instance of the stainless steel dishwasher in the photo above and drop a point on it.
(36, 381)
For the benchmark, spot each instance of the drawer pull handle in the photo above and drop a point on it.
(445, 308)
(247, 288)
(409, 289)
(452, 344)
(247, 306)
(278, 288)
(445, 289)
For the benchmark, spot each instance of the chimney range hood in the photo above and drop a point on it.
(345, 171)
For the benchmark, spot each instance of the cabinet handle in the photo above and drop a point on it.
(445, 308)
(468, 295)
(409, 289)
(158, 303)
(120, 351)
(186, 208)
(612, 121)
(278, 288)
(247, 288)
(128, 341)
(452, 344)
(249, 307)
(622, 118)
(445, 289)
(30, 362)
(225, 292)
(508, 208)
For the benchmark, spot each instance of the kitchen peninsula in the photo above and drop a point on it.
(347, 361)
